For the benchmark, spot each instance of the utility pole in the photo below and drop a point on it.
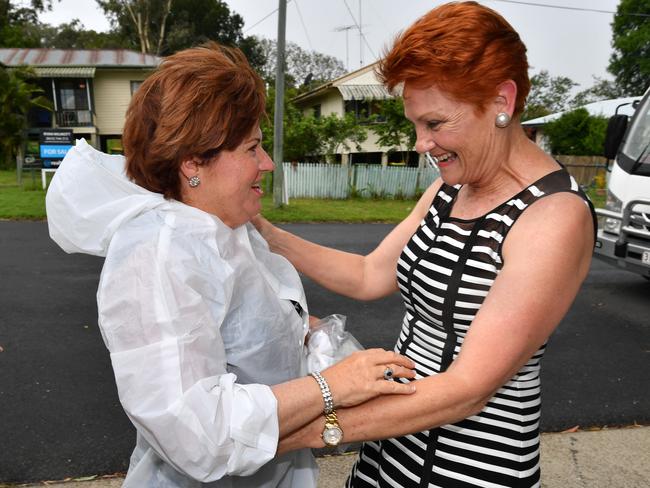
(278, 117)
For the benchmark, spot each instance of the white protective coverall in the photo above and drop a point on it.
(198, 319)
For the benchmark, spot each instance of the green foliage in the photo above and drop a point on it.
(601, 90)
(165, 26)
(73, 35)
(340, 132)
(630, 61)
(17, 97)
(19, 26)
(548, 94)
(577, 133)
(394, 131)
(307, 137)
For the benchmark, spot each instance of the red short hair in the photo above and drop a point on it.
(463, 48)
(198, 102)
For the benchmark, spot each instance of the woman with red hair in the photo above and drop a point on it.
(488, 263)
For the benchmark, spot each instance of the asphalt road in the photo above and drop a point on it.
(59, 412)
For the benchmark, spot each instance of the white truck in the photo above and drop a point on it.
(624, 234)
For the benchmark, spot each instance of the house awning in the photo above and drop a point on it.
(364, 92)
(64, 71)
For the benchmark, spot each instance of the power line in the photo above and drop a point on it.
(563, 7)
(304, 27)
(359, 27)
(263, 19)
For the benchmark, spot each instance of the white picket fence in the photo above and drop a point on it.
(306, 180)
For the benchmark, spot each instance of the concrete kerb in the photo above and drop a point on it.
(605, 458)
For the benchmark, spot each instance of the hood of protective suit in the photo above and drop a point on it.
(90, 197)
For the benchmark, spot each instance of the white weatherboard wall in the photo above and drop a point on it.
(112, 90)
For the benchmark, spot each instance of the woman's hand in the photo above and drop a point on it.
(360, 376)
(263, 226)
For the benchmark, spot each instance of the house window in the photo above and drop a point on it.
(364, 110)
(73, 94)
(135, 85)
(317, 111)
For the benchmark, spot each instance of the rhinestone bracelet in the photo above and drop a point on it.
(325, 391)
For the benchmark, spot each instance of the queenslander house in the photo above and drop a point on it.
(90, 90)
(359, 93)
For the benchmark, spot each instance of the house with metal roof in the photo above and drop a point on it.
(90, 89)
(359, 93)
(602, 108)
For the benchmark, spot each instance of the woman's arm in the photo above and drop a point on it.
(360, 277)
(354, 380)
(546, 258)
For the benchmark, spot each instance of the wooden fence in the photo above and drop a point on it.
(585, 169)
(306, 180)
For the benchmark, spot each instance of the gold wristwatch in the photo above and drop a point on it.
(332, 433)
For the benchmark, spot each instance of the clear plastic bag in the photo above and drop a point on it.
(329, 342)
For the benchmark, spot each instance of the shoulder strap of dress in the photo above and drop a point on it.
(444, 199)
(559, 181)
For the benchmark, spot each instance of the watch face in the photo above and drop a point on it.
(332, 435)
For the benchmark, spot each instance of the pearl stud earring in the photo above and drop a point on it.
(502, 120)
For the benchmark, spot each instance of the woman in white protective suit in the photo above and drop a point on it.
(205, 326)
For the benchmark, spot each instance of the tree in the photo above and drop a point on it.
(307, 137)
(17, 97)
(577, 133)
(145, 20)
(19, 26)
(304, 69)
(73, 36)
(340, 133)
(165, 26)
(548, 94)
(630, 61)
(601, 90)
(394, 131)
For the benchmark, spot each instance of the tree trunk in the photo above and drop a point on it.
(161, 35)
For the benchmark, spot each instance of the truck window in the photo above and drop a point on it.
(638, 139)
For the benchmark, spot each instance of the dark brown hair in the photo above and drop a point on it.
(463, 48)
(198, 102)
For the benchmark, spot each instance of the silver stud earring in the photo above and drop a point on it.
(194, 181)
(502, 120)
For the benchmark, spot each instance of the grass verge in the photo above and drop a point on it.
(27, 202)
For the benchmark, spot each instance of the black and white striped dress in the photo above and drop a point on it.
(444, 274)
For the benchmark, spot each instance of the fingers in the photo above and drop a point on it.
(380, 356)
(397, 372)
(396, 388)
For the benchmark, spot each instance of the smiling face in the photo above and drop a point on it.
(230, 182)
(463, 140)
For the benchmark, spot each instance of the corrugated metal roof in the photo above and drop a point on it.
(364, 92)
(604, 108)
(105, 58)
(65, 72)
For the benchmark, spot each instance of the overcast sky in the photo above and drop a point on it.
(573, 43)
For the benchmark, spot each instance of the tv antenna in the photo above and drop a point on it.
(346, 29)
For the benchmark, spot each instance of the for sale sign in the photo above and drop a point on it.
(55, 143)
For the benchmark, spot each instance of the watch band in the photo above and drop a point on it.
(332, 433)
(325, 391)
